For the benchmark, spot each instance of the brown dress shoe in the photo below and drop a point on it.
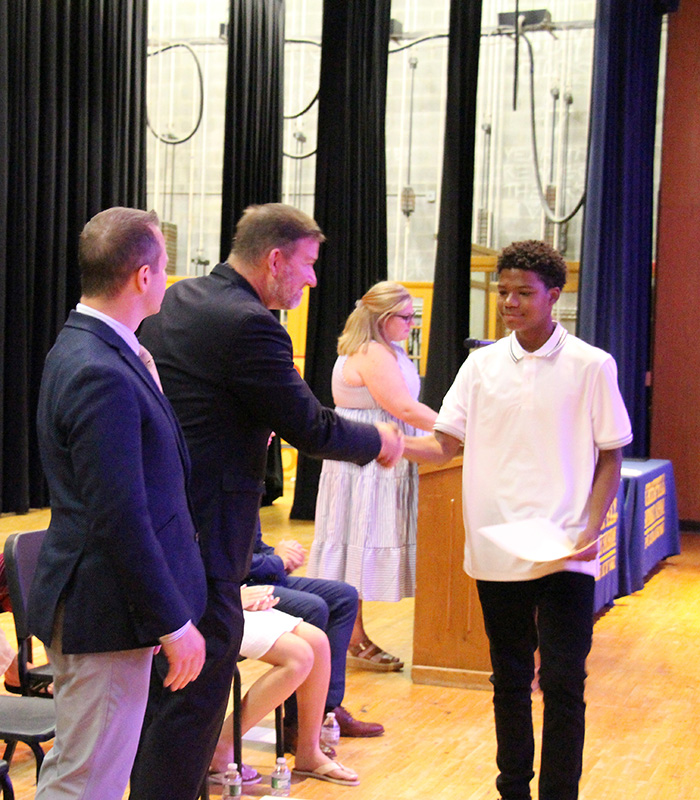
(349, 726)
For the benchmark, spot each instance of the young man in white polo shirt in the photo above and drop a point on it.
(543, 425)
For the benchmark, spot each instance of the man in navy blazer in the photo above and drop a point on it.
(120, 570)
(227, 367)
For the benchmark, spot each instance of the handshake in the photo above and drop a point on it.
(392, 444)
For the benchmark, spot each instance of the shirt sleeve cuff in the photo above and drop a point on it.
(175, 635)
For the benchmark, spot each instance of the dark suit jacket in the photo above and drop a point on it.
(121, 548)
(226, 365)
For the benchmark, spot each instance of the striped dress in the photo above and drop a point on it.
(365, 532)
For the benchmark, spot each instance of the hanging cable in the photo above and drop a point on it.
(305, 155)
(315, 97)
(419, 41)
(535, 158)
(166, 139)
(306, 109)
(303, 111)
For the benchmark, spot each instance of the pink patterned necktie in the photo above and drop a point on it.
(150, 365)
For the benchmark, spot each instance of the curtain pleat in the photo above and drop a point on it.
(450, 316)
(350, 202)
(616, 251)
(252, 169)
(72, 142)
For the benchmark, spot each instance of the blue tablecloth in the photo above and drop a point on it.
(650, 520)
(608, 581)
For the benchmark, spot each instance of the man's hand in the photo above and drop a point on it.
(392, 444)
(293, 555)
(185, 658)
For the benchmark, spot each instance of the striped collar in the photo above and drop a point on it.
(549, 348)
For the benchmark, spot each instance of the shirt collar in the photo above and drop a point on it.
(118, 327)
(549, 348)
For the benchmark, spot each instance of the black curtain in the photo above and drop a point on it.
(252, 170)
(72, 142)
(616, 252)
(451, 288)
(350, 191)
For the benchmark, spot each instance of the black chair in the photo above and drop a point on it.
(31, 720)
(8, 792)
(21, 553)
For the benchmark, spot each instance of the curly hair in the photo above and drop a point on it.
(535, 256)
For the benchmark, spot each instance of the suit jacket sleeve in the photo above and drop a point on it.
(266, 567)
(263, 377)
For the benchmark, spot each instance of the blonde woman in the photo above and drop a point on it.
(366, 516)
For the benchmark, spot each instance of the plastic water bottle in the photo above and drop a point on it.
(330, 730)
(281, 779)
(232, 782)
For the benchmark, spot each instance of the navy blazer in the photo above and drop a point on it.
(227, 366)
(266, 566)
(121, 547)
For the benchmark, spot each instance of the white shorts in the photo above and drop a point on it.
(263, 628)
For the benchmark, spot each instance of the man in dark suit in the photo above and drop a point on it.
(226, 365)
(120, 571)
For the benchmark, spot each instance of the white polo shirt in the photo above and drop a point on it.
(532, 425)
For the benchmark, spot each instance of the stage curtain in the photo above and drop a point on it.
(450, 318)
(252, 169)
(616, 254)
(350, 191)
(72, 142)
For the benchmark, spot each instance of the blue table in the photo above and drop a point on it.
(650, 520)
(608, 581)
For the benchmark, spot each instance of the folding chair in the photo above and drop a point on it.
(27, 719)
(21, 553)
(31, 720)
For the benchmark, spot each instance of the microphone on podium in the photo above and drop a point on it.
(471, 344)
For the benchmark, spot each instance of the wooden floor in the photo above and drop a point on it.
(643, 733)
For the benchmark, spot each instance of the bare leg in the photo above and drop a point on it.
(311, 701)
(291, 659)
(363, 653)
(300, 661)
(358, 631)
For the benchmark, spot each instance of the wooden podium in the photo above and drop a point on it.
(450, 647)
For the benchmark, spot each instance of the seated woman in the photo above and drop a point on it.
(300, 659)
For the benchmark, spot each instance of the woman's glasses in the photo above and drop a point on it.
(405, 317)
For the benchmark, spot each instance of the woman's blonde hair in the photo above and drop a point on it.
(364, 323)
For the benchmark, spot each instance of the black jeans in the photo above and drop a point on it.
(554, 613)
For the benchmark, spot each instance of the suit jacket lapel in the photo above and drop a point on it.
(112, 338)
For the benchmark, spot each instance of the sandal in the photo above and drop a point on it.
(322, 774)
(366, 655)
